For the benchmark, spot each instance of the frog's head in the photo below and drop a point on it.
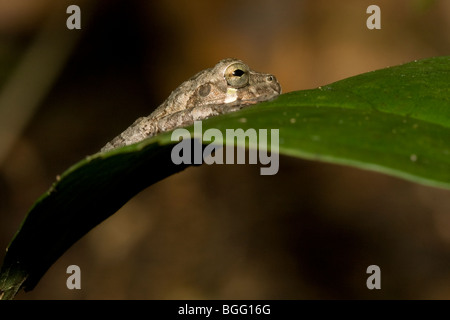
(232, 81)
(246, 85)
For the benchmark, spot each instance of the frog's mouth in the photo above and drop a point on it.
(233, 95)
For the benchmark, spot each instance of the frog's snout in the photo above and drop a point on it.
(273, 83)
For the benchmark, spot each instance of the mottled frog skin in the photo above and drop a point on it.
(228, 86)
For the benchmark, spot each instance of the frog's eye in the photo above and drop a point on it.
(237, 75)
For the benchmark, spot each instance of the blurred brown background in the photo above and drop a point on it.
(223, 231)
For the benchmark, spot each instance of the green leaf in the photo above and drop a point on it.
(394, 121)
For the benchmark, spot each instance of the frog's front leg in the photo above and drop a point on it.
(187, 117)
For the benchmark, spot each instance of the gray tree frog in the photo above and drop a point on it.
(228, 86)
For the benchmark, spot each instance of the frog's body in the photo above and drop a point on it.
(227, 87)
